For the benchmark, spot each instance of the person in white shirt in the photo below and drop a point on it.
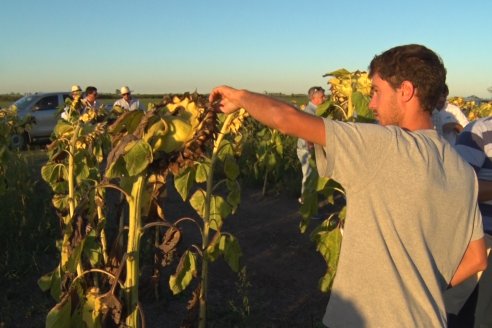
(127, 102)
(305, 148)
(448, 119)
(75, 92)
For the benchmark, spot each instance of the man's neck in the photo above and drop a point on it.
(419, 121)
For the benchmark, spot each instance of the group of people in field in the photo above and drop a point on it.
(89, 99)
(418, 187)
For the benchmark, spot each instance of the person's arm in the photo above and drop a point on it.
(474, 260)
(271, 112)
(452, 127)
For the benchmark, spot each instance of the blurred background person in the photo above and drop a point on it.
(474, 144)
(448, 119)
(75, 92)
(316, 97)
(127, 102)
(90, 99)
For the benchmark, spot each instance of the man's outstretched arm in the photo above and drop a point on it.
(271, 112)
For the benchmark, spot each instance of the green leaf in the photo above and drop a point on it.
(117, 169)
(361, 105)
(326, 281)
(225, 149)
(52, 172)
(321, 183)
(234, 195)
(197, 201)
(219, 209)
(328, 242)
(59, 315)
(62, 127)
(184, 181)
(90, 310)
(309, 208)
(271, 162)
(185, 272)
(202, 172)
(229, 246)
(212, 252)
(323, 108)
(81, 167)
(127, 121)
(279, 147)
(337, 73)
(45, 281)
(54, 280)
(74, 259)
(231, 169)
(138, 157)
(92, 249)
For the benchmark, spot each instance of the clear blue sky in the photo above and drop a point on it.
(163, 46)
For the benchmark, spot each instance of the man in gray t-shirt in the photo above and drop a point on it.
(413, 227)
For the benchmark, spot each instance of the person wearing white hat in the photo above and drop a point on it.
(127, 102)
(75, 92)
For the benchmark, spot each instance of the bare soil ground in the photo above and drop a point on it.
(278, 289)
(282, 272)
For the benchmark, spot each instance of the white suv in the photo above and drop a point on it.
(44, 107)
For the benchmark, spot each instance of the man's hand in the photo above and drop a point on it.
(452, 127)
(225, 98)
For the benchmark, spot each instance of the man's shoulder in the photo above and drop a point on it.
(457, 113)
(451, 107)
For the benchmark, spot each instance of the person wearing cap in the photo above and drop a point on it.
(305, 148)
(75, 92)
(127, 102)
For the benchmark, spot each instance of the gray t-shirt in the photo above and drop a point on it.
(411, 213)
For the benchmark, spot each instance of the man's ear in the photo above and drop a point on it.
(407, 90)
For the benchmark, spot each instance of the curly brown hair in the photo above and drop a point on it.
(417, 64)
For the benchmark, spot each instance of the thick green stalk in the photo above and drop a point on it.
(132, 260)
(350, 106)
(71, 200)
(265, 180)
(104, 242)
(206, 226)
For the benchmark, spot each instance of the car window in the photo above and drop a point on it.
(24, 102)
(49, 102)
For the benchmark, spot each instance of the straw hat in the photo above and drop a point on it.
(76, 88)
(124, 90)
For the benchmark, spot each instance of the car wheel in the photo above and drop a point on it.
(19, 141)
